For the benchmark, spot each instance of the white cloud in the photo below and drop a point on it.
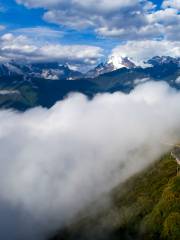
(140, 81)
(140, 51)
(38, 32)
(104, 5)
(167, 16)
(177, 80)
(95, 14)
(171, 3)
(24, 48)
(100, 6)
(55, 162)
(169, 23)
(164, 23)
(20, 44)
(84, 53)
(126, 20)
(72, 19)
(133, 33)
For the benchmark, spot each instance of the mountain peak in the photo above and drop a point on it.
(113, 63)
(120, 62)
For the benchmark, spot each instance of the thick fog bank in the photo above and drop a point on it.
(55, 162)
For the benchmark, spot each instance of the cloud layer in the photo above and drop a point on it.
(141, 51)
(21, 47)
(55, 162)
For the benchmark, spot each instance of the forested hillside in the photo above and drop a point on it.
(146, 207)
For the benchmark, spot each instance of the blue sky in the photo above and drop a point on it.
(102, 26)
(15, 16)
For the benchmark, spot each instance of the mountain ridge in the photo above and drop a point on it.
(35, 90)
(114, 63)
(45, 70)
(48, 70)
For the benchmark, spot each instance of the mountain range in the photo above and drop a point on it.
(23, 86)
(47, 70)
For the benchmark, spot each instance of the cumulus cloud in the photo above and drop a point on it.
(141, 51)
(56, 162)
(135, 19)
(133, 33)
(22, 47)
(102, 5)
(164, 23)
(168, 16)
(94, 14)
(168, 22)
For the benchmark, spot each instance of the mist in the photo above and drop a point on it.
(55, 162)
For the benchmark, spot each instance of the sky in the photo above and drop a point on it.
(83, 33)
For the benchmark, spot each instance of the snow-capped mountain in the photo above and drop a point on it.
(50, 71)
(56, 71)
(23, 86)
(113, 63)
(118, 62)
(155, 61)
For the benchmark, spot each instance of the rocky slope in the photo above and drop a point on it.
(46, 70)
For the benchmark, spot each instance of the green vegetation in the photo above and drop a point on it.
(146, 207)
(163, 220)
(22, 98)
(28, 95)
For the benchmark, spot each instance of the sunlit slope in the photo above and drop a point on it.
(145, 207)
